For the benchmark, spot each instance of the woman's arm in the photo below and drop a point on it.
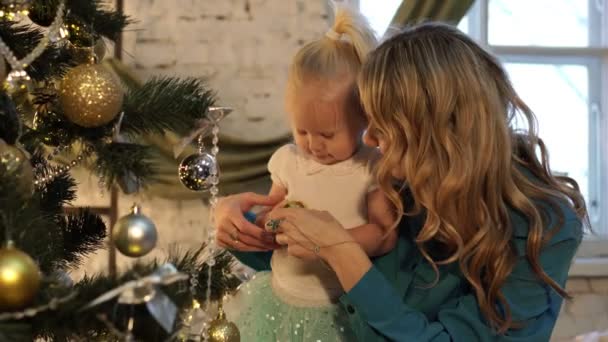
(531, 302)
(374, 239)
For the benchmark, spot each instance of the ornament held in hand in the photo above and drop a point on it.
(90, 95)
(134, 235)
(19, 279)
(196, 171)
(222, 330)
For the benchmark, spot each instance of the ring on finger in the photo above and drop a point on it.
(316, 249)
(273, 224)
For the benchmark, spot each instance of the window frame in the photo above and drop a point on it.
(592, 257)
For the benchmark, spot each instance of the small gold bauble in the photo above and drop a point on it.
(134, 235)
(19, 279)
(222, 330)
(15, 163)
(90, 95)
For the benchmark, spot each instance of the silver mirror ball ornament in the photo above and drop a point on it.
(196, 170)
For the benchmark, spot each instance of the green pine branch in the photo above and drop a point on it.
(115, 161)
(107, 23)
(15, 331)
(165, 103)
(37, 225)
(9, 119)
(83, 233)
(92, 12)
(55, 60)
(36, 221)
(60, 191)
(22, 40)
(69, 321)
(158, 105)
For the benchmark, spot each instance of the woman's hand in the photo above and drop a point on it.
(233, 229)
(307, 233)
(310, 234)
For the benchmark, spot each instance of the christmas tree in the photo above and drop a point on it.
(58, 100)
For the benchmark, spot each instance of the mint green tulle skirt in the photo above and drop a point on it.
(261, 316)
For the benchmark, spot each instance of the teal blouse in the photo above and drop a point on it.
(393, 300)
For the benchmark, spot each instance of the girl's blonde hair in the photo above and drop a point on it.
(335, 57)
(446, 109)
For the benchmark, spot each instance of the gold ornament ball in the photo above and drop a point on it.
(19, 279)
(14, 161)
(222, 330)
(134, 235)
(90, 95)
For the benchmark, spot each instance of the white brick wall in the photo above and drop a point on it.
(587, 311)
(242, 47)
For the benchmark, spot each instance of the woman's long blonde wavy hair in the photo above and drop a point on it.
(446, 109)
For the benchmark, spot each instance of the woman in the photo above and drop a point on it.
(487, 233)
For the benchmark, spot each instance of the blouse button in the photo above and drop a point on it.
(350, 309)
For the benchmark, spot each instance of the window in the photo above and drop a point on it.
(379, 16)
(556, 53)
(557, 58)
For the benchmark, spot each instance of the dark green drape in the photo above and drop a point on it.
(415, 11)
